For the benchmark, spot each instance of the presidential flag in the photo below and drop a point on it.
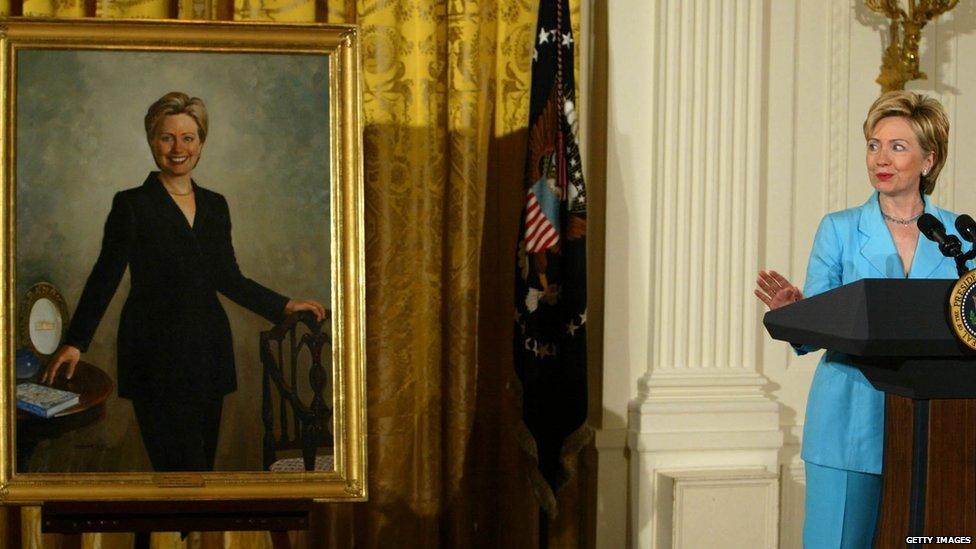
(550, 282)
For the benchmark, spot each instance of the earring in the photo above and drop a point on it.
(925, 173)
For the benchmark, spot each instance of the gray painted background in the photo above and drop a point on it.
(80, 139)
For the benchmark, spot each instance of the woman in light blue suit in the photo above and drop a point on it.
(907, 140)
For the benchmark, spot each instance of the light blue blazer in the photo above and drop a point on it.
(844, 425)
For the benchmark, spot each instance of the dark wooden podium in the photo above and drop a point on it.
(898, 334)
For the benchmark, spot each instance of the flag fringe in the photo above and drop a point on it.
(572, 445)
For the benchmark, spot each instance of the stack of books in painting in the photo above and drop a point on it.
(44, 401)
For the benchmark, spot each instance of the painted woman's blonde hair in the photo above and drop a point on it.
(176, 103)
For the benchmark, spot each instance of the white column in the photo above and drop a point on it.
(701, 411)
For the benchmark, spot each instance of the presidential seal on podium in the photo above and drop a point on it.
(962, 309)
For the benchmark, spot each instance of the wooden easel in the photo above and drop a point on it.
(145, 517)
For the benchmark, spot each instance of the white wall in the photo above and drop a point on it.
(733, 127)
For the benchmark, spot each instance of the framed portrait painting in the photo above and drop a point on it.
(180, 299)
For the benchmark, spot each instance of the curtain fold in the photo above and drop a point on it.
(446, 92)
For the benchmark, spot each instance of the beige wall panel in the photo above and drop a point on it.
(630, 183)
(731, 509)
(797, 176)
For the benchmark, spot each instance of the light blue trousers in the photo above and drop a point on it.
(841, 508)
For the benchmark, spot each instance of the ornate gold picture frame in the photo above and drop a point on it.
(284, 150)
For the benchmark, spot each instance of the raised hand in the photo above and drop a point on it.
(775, 291)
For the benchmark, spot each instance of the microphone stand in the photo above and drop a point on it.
(950, 246)
(961, 260)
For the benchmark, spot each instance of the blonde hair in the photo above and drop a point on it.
(176, 103)
(928, 119)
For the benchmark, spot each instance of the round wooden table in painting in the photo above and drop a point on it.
(93, 387)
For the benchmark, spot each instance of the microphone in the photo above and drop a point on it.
(966, 227)
(934, 230)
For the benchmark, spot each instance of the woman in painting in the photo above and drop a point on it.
(175, 353)
(907, 140)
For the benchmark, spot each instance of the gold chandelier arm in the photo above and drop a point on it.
(930, 9)
(890, 8)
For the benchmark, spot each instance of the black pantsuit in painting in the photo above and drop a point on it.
(175, 351)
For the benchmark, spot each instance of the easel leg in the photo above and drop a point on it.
(280, 539)
(15, 537)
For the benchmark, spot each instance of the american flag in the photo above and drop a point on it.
(540, 234)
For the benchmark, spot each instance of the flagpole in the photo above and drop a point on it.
(543, 529)
(561, 175)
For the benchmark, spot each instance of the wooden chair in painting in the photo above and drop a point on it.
(296, 403)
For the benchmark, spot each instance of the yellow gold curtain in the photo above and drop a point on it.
(445, 107)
